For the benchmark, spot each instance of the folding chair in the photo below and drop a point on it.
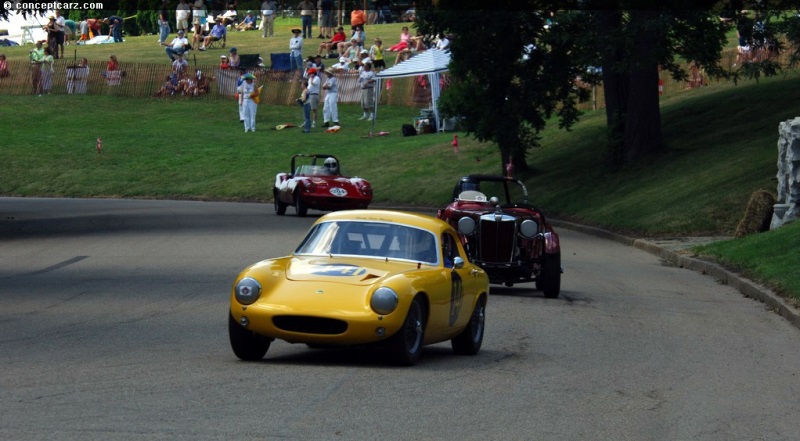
(249, 61)
(217, 44)
(280, 62)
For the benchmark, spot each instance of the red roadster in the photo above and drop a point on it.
(511, 241)
(315, 181)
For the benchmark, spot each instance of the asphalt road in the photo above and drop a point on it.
(113, 327)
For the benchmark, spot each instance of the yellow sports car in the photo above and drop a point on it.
(360, 277)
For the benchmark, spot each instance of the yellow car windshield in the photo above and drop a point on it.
(371, 239)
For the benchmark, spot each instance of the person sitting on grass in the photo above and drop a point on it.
(405, 37)
(180, 65)
(357, 39)
(342, 65)
(351, 52)
(203, 83)
(417, 42)
(234, 58)
(249, 22)
(218, 32)
(173, 84)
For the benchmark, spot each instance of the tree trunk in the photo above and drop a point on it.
(615, 83)
(643, 120)
(517, 160)
(510, 147)
(643, 117)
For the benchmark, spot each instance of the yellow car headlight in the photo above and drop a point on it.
(247, 291)
(384, 300)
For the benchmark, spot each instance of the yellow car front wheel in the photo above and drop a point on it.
(246, 344)
(406, 345)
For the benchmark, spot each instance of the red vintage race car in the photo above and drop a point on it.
(315, 181)
(510, 240)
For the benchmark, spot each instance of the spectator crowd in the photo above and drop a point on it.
(352, 51)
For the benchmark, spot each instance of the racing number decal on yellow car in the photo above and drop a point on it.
(456, 297)
(342, 270)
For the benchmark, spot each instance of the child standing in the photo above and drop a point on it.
(84, 27)
(376, 54)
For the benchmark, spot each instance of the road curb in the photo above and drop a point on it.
(745, 286)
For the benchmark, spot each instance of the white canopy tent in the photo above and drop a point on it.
(431, 62)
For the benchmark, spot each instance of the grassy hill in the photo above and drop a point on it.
(721, 147)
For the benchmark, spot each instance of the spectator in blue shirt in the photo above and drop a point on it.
(115, 22)
(249, 22)
(218, 32)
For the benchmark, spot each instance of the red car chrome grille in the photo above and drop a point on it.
(310, 325)
(497, 240)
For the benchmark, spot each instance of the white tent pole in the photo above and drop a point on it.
(424, 63)
(375, 109)
(433, 78)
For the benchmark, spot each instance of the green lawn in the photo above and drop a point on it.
(189, 149)
(770, 257)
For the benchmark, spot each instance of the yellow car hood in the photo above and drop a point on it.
(348, 270)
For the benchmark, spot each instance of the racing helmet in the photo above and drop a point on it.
(423, 247)
(331, 166)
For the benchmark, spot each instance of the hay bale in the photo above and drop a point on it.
(757, 215)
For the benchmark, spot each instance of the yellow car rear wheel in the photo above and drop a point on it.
(471, 338)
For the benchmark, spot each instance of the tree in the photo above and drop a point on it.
(516, 66)
(511, 73)
(631, 46)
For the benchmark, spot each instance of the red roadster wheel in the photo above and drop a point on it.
(551, 275)
(300, 205)
(280, 207)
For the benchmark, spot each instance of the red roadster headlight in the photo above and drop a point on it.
(366, 190)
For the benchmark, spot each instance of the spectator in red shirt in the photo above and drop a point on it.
(95, 24)
(338, 37)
